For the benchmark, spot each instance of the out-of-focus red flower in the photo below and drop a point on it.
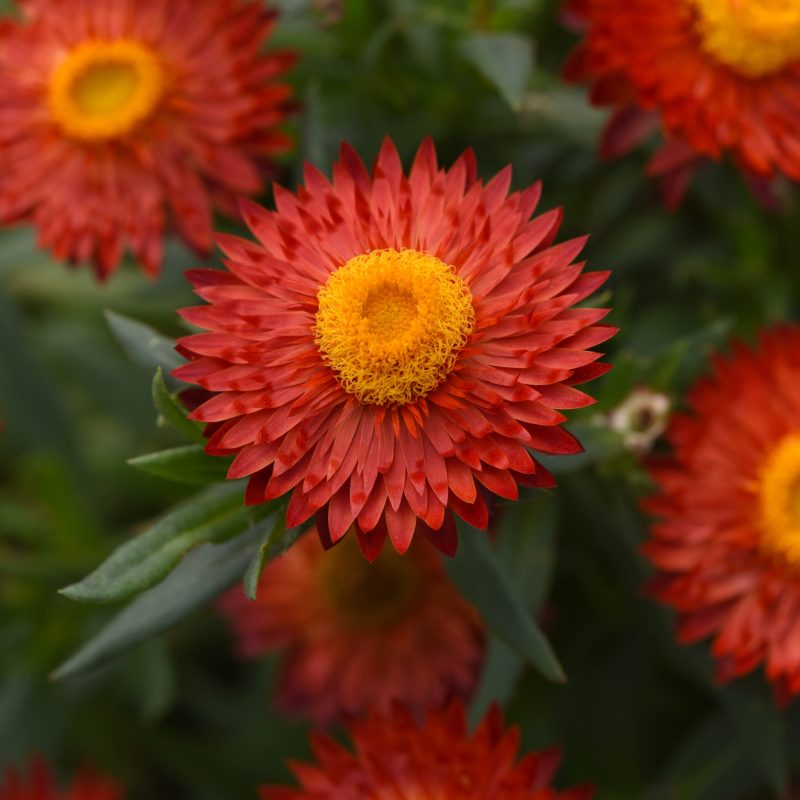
(395, 757)
(359, 636)
(726, 545)
(717, 76)
(391, 344)
(121, 117)
(36, 783)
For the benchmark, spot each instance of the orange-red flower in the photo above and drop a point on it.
(37, 784)
(359, 636)
(120, 117)
(394, 757)
(720, 76)
(391, 344)
(727, 543)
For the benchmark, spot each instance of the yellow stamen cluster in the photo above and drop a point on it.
(779, 501)
(391, 324)
(103, 89)
(752, 37)
(368, 596)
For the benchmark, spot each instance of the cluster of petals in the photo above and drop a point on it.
(36, 783)
(357, 637)
(279, 407)
(208, 139)
(646, 59)
(708, 544)
(394, 756)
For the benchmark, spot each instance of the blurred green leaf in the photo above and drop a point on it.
(189, 464)
(172, 411)
(505, 59)
(201, 576)
(479, 575)
(276, 540)
(144, 345)
(212, 516)
(526, 542)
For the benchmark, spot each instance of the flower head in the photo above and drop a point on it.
(390, 344)
(359, 636)
(132, 115)
(396, 757)
(719, 76)
(640, 418)
(726, 545)
(37, 784)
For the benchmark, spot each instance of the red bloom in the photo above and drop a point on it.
(720, 76)
(396, 758)
(129, 114)
(390, 341)
(727, 544)
(359, 636)
(38, 784)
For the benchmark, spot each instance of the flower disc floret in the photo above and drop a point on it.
(104, 89)
(391, 324)
(752, 37)
(779, 501)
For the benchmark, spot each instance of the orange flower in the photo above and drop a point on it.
(117, 117)
(396, 758)
(391, 341)
(727, 544)
(38, 784)
(359, 636)
(720, 76)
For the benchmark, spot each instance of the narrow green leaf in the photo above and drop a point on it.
(201, 576)
(144, 345)
(479, 575)
(526, 545)
(505, 59)
(189, 464)
(214, 515)
(276, 540)
(172, 410)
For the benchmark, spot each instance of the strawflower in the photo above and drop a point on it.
(726, 545)
(36, 783)
(358, 636)
(392, 346)
(395, 757)
(120, 118)
(718, 77)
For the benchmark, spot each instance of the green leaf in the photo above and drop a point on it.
(189, 464)
(526, 545)
(172, 411)
(481, 578)
(505, 59)
(144, 345)
(201, 576)
(212, 516)
(276, 540)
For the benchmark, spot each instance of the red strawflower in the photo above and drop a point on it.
(727, 543)
(719, 76)
(118, 117)
(359, 636)
(37, 784)
(396, 758)
(389, 342)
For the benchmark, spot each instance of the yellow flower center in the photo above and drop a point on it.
(779, 501)
(104, 89)
(391, 324)
(752, 37)
(370, 596)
